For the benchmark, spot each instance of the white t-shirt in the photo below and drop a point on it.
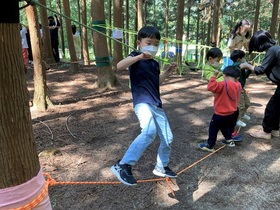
(23, 33)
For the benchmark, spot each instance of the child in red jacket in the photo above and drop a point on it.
(226, 99)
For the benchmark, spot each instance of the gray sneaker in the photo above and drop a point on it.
(164, 172)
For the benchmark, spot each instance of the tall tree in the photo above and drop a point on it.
(74, 66)
(274, 18)
(48, 55)
(179, 30)
(257, 14)
(40, 99)
(84, 33)
(59, 10)
(139, 14)
(19, 162)
(118, 23)
(215, 23)
(106, 76)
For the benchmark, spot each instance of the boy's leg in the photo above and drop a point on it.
(241, 104)
(164, 150)
(214, 128)
(227, 121)
(145, 116)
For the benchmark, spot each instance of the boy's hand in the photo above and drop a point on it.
(215, 73)
(146, 55)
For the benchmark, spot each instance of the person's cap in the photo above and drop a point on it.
(50, 17)
(232, 71)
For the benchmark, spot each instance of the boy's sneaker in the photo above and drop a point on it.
(275, 133)
(246, 117)
(237, 138)
(123, 173)
(164, 172)
(229, 143)
(206, 147)
(240, 123)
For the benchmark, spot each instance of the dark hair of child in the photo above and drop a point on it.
(261, 41)
(214, 53)
(237, 54)
(148, 32)
(232, 71)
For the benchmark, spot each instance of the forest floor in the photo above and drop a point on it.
(89, 129)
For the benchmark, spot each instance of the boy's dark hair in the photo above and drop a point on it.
(148, 32)
(261, 41)
(232, 71)
(237, 54)
(214, 53)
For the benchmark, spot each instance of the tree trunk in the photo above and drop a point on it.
(127, 27)
(257, 14)
(179, 30)
(61, 28)
(215, 25)
(84, 33)
(40, 96)
(166, 29)
(19, 161)
(74, 66)
(110, 23)
(273, 22)
(139, 14)
(118, 24)
(48, 55)
(106, 76)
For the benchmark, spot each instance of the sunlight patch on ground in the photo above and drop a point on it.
(275, 166)
(203, 189)
(200, 105)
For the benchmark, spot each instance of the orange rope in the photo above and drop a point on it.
(51, 182)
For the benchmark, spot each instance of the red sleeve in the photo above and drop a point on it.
(214, 86)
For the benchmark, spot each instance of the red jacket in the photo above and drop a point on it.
(227, 94)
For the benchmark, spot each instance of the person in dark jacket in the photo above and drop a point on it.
(262, 41)
(54, 25)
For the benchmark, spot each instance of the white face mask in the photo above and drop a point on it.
(216, 65)
(151, 49)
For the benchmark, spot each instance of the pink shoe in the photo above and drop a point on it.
(275, 133)
(261, 135)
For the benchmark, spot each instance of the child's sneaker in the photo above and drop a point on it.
(123, 173)
(237, 138)
(164, 172)
(229, 143)
(246, 117)
(206, 147)
(275, 133)
(240, 123)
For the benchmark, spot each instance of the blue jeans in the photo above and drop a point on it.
(152, 121)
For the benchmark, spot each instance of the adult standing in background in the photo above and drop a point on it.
(54, 26)
(77, 42)
(239, 36)
(263, 42)
(24, 45)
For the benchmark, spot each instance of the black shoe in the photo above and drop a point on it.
(123, 173)
(164, 172)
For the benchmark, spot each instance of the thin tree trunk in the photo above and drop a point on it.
(127, 26)
(139, 14)
(166, 28)
(110, 24)
(257, 14)
(61, 28)
(118, 23)
(48, 55)
(40, 87)
(74, 66)
(215, 25)
(179, 30)
(84, 34)
(273, 22)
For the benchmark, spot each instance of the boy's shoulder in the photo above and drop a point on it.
(134, 53)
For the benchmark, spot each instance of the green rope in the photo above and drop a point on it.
(102, 61)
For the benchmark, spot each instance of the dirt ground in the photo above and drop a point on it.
(90, 129)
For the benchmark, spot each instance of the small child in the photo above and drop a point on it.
(145, 80)
(213, 57)
(226, 99)
(238, 57)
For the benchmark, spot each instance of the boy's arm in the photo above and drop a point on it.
(128, 61)
(167, 72)
(213, 85)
